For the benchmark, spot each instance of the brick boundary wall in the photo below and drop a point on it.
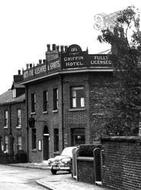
(121, 167)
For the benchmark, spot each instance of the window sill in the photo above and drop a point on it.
(54, 111)
(18, 127)
(56, 153)
(34, 150)
(45, 112)
(77, 109)
(32, 113)
(5, 127)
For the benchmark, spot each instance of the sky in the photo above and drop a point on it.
(27, 26)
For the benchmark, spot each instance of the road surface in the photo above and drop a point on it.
(17, 178)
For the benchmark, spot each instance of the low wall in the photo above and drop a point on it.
(121, 168)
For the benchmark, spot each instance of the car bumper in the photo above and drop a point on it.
(60, 168)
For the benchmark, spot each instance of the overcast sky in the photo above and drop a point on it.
(27, 26)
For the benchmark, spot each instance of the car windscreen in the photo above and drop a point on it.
(67, 151)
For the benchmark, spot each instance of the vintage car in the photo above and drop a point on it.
(62, 162)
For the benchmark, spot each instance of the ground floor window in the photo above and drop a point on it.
(77, 136)
(34, 138)
(19, 143)
(6, 144)
(56, 140)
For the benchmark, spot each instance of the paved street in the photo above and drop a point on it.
(17, 178)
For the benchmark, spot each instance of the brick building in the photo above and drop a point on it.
(68, 96)
(13, 136)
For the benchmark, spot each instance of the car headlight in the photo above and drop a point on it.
(66, 160)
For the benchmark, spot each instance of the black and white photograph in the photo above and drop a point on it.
(70, 95)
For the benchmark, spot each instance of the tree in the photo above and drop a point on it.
(125, 41)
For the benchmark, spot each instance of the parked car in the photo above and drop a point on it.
(62, 162)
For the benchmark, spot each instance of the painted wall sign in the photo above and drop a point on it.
(28, 73)
(73, 58)
(99, 60)
(55, 65)
(40, 69)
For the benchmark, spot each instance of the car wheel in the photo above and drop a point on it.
(53, 171)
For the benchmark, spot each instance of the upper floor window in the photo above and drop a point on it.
(55, 98)
(19, 118)
(77, 97)
(33, 102)
(19, 143)
(45, 100)
(6, 119)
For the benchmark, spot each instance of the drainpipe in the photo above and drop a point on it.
(27, 127)
(62, 107)
(11, 138)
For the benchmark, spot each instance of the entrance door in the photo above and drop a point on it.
(77, 136)
(46, 143)
(45, 147)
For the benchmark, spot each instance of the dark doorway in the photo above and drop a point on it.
(77, 136)
(46, 143)
(97, 165)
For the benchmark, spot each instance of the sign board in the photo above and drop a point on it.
(73, 58)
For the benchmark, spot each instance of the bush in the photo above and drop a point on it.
(86, 150)
(21, 156)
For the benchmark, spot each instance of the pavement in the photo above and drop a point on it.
(59, 182)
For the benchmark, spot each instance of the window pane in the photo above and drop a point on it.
(74, 102)
(19, 143)
(82, 102)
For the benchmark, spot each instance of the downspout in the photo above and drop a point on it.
(27, 127)
(11, 138)
(62, 97)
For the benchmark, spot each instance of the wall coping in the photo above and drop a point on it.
(83, 158)
(130, 139)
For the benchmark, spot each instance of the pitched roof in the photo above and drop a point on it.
(7, 98)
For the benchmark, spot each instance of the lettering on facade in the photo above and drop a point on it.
(54, 65)
(74, 61)
(100, 60)
(40, 69)
(28, 73)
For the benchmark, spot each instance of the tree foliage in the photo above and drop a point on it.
(125, 41)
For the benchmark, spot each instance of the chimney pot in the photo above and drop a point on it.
(62, 48)
(40, 61)
(66, 47)
(26, 66)
(57, 47)
(53, 47)
(48, 47)
(44, 61)
(19, 72)
(30, 65)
